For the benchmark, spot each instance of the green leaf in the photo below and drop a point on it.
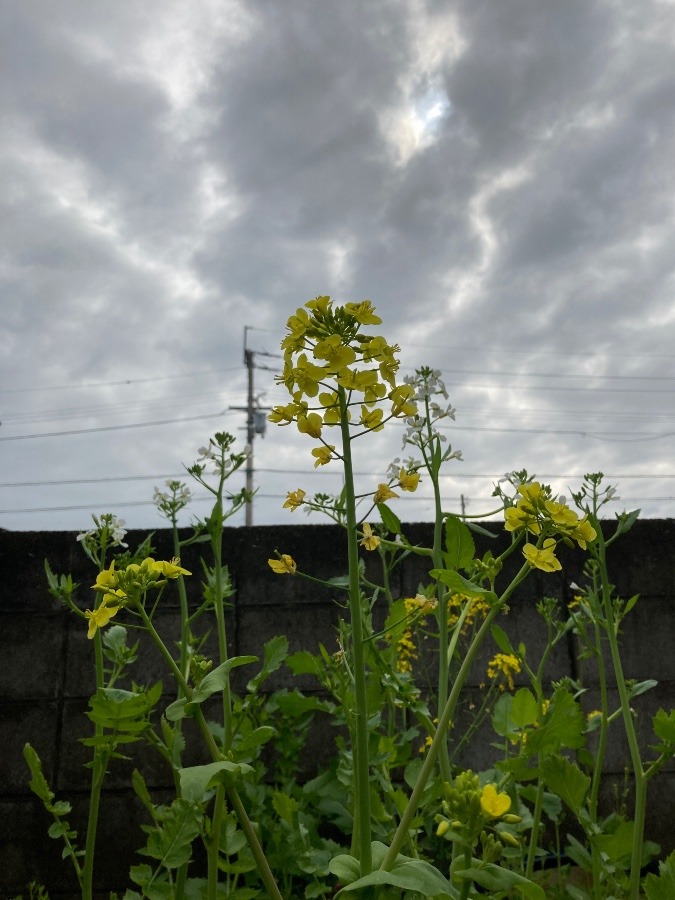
(389, 519)
(303, 663)
(38, 783)
(218, 679)
(196, 780)
(662, 886)
(501, 639)
(142, 792)
(634, 690)
(459, 545)
(171, 843)
(215, 681)
(284, 806)
(524, 709)
(563, 727)
(461, 585)
(566, 780)
(407, 874)
(495, 878)
(664, 725)
(276, 651)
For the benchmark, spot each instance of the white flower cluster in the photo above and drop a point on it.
(410, 465)
(428, 384)
(179, 495)
(115, 528)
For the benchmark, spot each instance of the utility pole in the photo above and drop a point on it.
(256, 420)
(249, 363)
(463, 501)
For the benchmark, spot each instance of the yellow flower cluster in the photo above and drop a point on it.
(117, 586)
(538, 513)
(325, 351)
(406, 650)
(477, 611)
(503, 666)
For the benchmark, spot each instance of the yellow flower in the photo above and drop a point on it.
(383, 492)
(329, 401)
(352, 380)
(107, 580)
(323, 455)
(170, 569)
(560, 514)
(515, 518)
(531, 492)
(583, 533)
(371, 419)
(307, 376)
(109, 606)
(310, 424)
(370, 541)
(401, 402)
(363, 312)
(545, 558)
(286, 565)
(283, 415)
(336, 354)
(297, 324)
(320, 305)
(294, 499)
(493, 804)
(408, 481)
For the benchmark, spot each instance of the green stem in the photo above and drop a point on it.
(629, 725)
(217, 546)
(534, 835)
(602, 738)
(444, 653)
(182, 872)
(444, 722)
(99, 765)
(214, 844)
(361, 764)
(216, 755)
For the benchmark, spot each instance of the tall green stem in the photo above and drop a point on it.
(444, 723)
(360, 752)
(98, 773)
(634, 748)
(443, 649)
(216, 755)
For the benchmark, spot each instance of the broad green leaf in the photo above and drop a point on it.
(459, 545)
(284, 806)
(461, 585)
(303, 663)
(664, 725)
(218, 679)
(662, 886)
(407, 874)
(563, 727)
(524, 709)
(276, 651)
(502, 721)
(389, 519)
(495, 878)
(196, 780)
(171, 843)
(566, 780)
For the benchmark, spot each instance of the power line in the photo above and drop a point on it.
(97, 384)
(26, 437)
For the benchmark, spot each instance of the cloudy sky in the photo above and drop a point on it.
(498, 178)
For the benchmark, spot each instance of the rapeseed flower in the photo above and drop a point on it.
(383, 492)
(285, 565)
(408, 481)
(294, 499)
(494, 804)
(108, 607)
(323, 455)
(543, 558)
(370, 541)
(503, 666)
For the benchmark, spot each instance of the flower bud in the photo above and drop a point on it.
(508, 839)
(443, 828)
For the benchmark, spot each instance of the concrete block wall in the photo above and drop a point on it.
(46, 673)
